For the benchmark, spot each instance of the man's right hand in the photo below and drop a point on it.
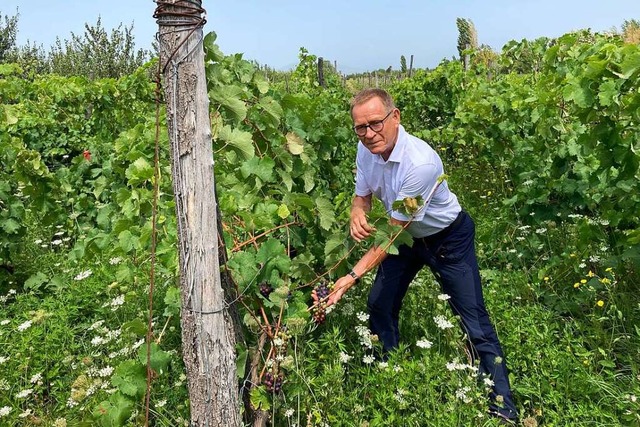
(359, 227)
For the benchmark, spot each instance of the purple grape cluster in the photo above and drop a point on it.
(319, 313)
(273, 383)
(322, 290)
(265, 289)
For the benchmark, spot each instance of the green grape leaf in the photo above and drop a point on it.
(239, 140)
(271, 107)
(244, 266)
(136, 326)
(259, 399)
(159, 358)
(139, 171)
(283, 211)
(260, 167)
(113, 412)
(172, 302)
(229, 97)
(131, 378)
(10, 225)
(325, 211)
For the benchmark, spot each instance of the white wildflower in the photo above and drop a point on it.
(25, 414)
(363, 317)
(115, 260)
(60, 422)
(423, 343)
(116, 302)
(96, 325)
(344, 357)
(289, 413)
(5, 322)
(25, 325)
(383, 365)
(98, 341)
(56, 242)
(161, 403)
(368, 359)
(105, 372)
(4, 411)
(3, 359)
(83, 275)
(24, 393)
(443, 297)
(38, 241)
(461, 394)
(488, 382)
(36, 378)
(442, 322)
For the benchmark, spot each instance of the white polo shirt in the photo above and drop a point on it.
(413, 169)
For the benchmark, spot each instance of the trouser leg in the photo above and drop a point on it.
(454, 264)
(392, 280)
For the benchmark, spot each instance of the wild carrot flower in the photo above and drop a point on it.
(83, 275)
(24, 326)
(442, 322)
(24, 393)
(423, 343)
(368, 359)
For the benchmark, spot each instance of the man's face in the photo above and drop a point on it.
(373, 112)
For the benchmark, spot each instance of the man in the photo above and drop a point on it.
(392, 165)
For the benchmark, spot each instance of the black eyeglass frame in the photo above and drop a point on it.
(373, 125)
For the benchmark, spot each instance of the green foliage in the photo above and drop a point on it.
(545, 161)
(8, 32)
(97, 54)
(467, 35)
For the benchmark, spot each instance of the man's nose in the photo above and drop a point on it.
(370, 133)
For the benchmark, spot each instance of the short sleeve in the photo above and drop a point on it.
(362, 187)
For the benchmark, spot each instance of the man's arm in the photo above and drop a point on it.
(368, 262)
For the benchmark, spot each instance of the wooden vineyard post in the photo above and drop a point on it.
(320, 72)
(410, 65)
(208, 338)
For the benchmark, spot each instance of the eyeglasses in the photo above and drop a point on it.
(376, 126)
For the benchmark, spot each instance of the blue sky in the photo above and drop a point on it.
(358, 35)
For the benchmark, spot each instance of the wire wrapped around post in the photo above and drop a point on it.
(185, 15)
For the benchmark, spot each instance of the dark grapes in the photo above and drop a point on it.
(265, 290)
(273, 383)
(322, 290)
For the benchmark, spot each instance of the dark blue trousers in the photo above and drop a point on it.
(450, 254)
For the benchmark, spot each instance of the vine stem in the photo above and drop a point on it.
(254, 238)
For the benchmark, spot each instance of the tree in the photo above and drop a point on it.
(8, 33)
(631, 31)
(467, 35)
(97, 54)
(208, 333)
(403, 64)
